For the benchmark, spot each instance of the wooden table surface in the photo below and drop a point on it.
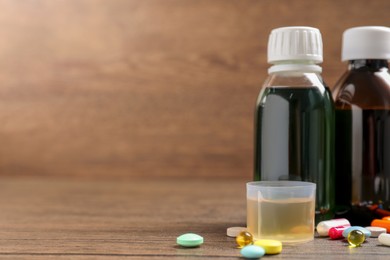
(139, 219)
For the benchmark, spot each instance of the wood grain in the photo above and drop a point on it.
(123, 89)
(141, 219)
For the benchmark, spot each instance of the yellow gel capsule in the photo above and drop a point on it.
(356, 238)
(244, 238)
(270, 246)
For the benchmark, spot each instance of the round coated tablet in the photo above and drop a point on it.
(376, 231)
(270, 246)
(252, 251)
(384, 239)
(234, 231)
(366, 232)
(189, 240)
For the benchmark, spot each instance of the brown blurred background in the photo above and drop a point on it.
(125, 89)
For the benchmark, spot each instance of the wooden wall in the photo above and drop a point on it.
(123, 89)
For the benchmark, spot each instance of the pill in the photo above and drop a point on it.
(244, 238)
(234, 231)
(356, 238)
(366, 232)
(337, 232)
(384, 239)
(376, 231)
(270, 246)
(252, 251)
(189, 240)
(324, 226)
(381, 223)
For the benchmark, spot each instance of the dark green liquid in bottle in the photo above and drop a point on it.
(294, 139)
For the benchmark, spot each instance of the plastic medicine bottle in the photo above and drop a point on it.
(294, 118)
(362, 100)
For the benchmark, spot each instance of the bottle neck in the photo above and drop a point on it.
(296, 79)
(295, 66)
(367, 64)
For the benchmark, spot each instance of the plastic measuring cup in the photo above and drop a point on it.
(281, 210)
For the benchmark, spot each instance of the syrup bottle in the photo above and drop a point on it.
(362, 100)
(294, 119)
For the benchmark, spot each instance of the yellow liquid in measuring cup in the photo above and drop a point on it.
(289, 221)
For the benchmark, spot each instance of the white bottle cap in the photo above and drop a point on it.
(297, 43)
(367, 42)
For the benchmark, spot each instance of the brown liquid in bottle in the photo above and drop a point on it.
(362, 101)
